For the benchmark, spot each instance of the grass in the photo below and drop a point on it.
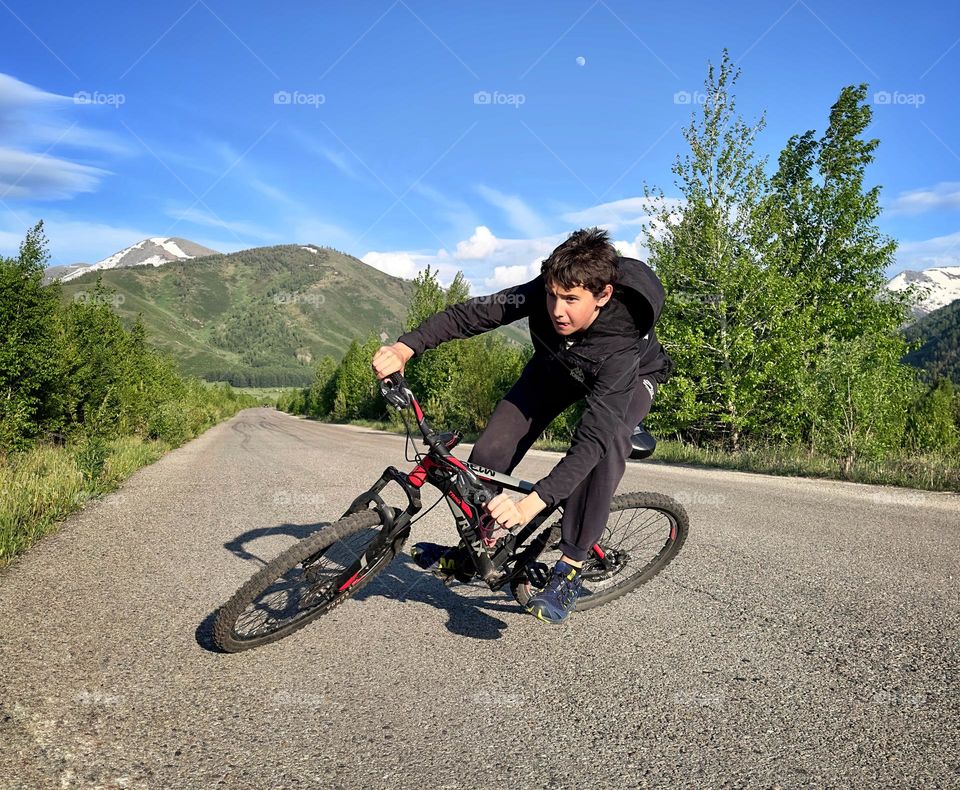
(931, 472)
(41, 486)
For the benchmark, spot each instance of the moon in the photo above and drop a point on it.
(581, 61)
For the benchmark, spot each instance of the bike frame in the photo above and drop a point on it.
(466, 488)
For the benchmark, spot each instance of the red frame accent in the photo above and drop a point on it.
(468, 511)
(349, 581)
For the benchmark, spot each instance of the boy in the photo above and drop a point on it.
(591, 315)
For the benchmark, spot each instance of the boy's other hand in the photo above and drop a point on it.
(509, 514)
(390, 359)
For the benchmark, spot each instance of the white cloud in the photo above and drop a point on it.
(491, 262)
(409, 264)
(507, 276)
(32, 123)
(938, 251)
(496, 263)
(616, 214)
(480, 245)
(206, 219)
(945, 195)
(631, 249)
(25, 175)
(15, 95)
(339, 161)
(520, 216)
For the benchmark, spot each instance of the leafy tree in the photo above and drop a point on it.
(855, 412)
(932, 424)
(31, 375)
(319, 399)
(723, 318)
(355, 391)
(433, 375)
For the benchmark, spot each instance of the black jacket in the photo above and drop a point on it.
(607, 358)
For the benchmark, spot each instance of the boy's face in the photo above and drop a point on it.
(572, 310)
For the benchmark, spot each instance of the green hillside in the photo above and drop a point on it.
(939, 356)
(259, 317)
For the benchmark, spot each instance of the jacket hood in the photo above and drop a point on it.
(642, 292)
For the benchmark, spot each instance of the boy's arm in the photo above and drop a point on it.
(601, 425)
(469, 318)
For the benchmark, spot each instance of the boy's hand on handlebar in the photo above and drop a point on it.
(391, 359)
(509, 514)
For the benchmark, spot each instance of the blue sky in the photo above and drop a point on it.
(357, 125)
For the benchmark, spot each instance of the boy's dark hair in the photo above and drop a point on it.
(586, 258)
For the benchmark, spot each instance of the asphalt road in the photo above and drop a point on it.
(806, 636)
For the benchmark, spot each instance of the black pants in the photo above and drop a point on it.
(537, 397)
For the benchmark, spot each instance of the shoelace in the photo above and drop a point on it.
(564, 587)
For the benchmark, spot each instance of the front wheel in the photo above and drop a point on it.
(309, 579)
(643, 534)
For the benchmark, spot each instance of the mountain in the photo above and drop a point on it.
(939, 331)
(154, 251)
(258, 317)
(53, 272)
(942, 285)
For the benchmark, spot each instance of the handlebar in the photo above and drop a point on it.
(398, 394)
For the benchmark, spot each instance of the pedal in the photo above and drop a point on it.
(538, 573)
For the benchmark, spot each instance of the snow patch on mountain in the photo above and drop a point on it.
(154, 251)
(940, 287)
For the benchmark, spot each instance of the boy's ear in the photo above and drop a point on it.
(606, 295)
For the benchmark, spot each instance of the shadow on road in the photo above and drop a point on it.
(237, 546)
(471, 608)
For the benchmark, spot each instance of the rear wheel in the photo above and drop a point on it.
(643, 534)
(306, 581)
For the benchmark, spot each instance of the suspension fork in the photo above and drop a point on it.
(394, 520)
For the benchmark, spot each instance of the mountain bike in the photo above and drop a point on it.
(643, 534)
